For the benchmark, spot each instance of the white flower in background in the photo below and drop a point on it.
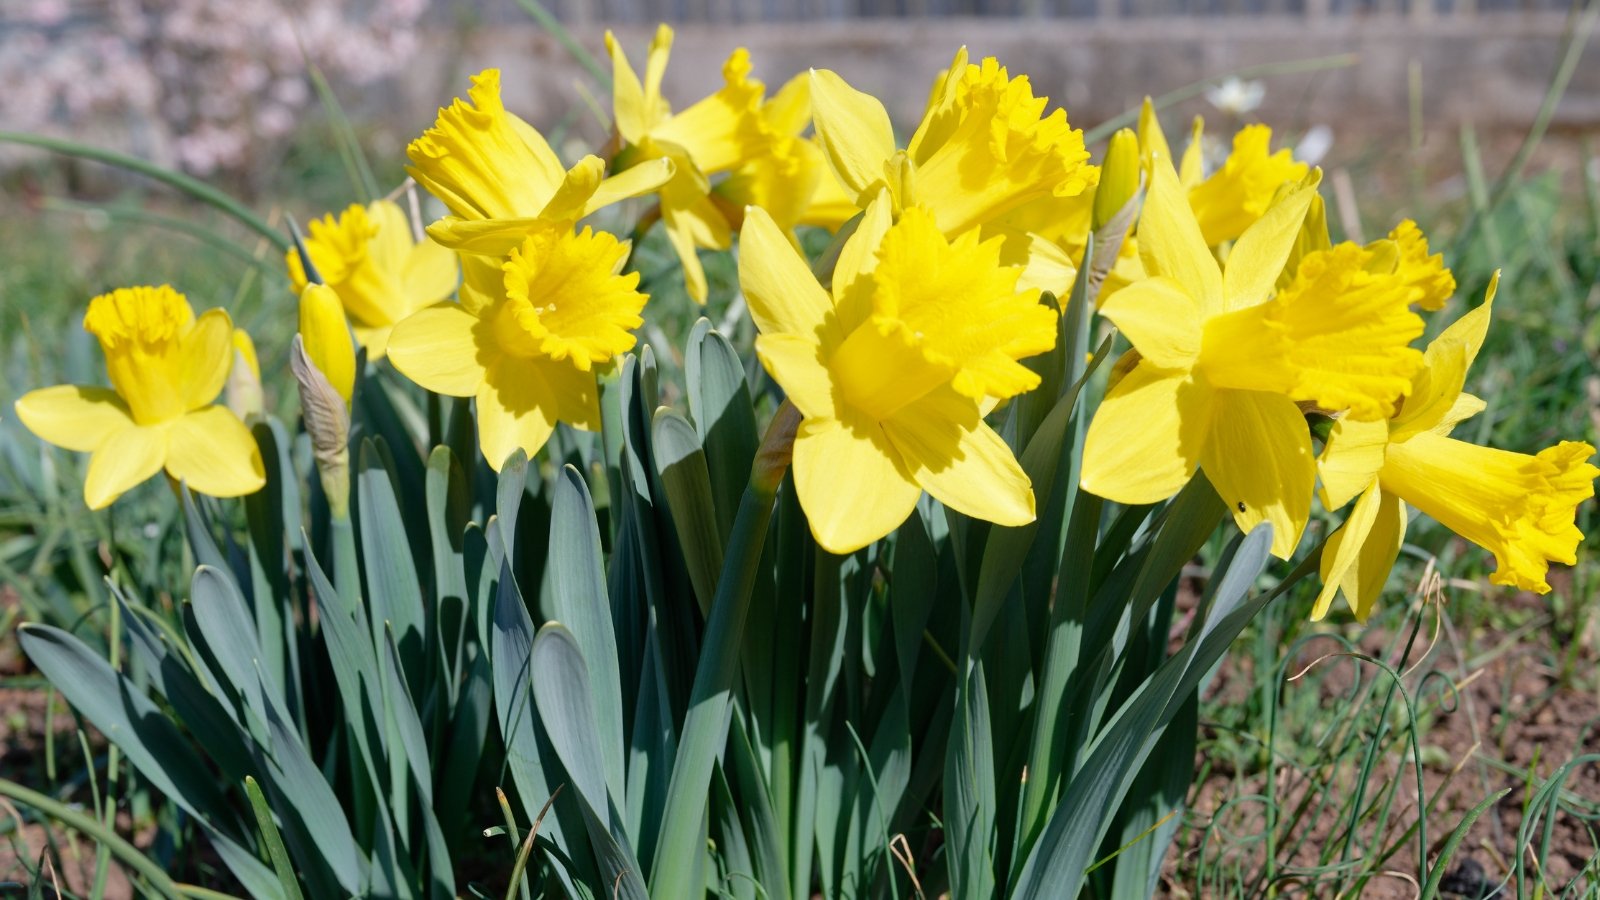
(1237, 97)
(1314, 145)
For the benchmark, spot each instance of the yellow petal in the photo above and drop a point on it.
(853, 129)
(851, 483)
(852, 282)
(1145, 440)
(521, 400)
(1259, 255)
(960, 461)
(637, 181)
(246, 350)
(215, 454)
(1360, 555)
(1521, 508)
(1192, 168)
(122, 462)
(1436, 402)
(1258, 457)
(483, 237)
(1465, 407)
(155, 359)
(789, 110)
(1343, 548)
(1161, 320)
(76, 418)
(437, 349)
(1350, 459)
(794, 362)
(207, 357)
(430, 275)
(1170, 243)
(566, 206)
(327, 337)
(784, 297)
(1152, 140)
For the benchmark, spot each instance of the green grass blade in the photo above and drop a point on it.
(1453, 842)
(129, 855)
(194, 187)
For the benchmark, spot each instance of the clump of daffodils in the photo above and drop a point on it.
(934, 307)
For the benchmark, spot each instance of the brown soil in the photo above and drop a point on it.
(1515, 718)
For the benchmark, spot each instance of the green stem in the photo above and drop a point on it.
(195, 188)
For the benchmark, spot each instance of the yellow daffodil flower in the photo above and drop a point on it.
(983, 151)
(1519, 507)
(242, 392)
(892, 369)
(791, 181)
(500, 179)
(718, 134)
(380, 274)
(1224, 360)
(327, 338)
(166, 367)
(527, 335)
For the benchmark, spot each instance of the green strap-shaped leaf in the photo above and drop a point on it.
(577, 585)
(724, 417)
(394, 591)
(562, 690)
(1056, 866)
(681, 465)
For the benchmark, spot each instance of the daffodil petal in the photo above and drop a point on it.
(1258, 457)
(437, 349)
(853, 129)
(431, 274)
(635, 182)
(960, 461)
(327, 337)
(1159, 318)
(1170, 242)
(1465, 407)
(1258, 257)
(215, 454)
(122, 462)
(1144, 442)
(851, 483)
(207, 357)
(521, 400)
(852, 288)
(73, 417)
(1351, 459)
(794, 363)
(1360, 555)
(784, 297)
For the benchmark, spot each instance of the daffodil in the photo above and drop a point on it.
(1519, 507)
(718, 134)
(500, 180)
(527, 335)
(166, 366)
(983, 151)
(380, 274)
(1224, 361)
(892, 369)
(791, 180)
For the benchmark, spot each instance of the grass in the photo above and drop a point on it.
(1351, 776)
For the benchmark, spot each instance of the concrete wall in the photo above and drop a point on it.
(1490, 71)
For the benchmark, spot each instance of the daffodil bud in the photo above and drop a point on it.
(243, 389)
(327, 338)
(1119, 177)
(327, 422)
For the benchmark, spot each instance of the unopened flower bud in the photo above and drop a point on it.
(1119, 177)
(327, 337)
(327, 422)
